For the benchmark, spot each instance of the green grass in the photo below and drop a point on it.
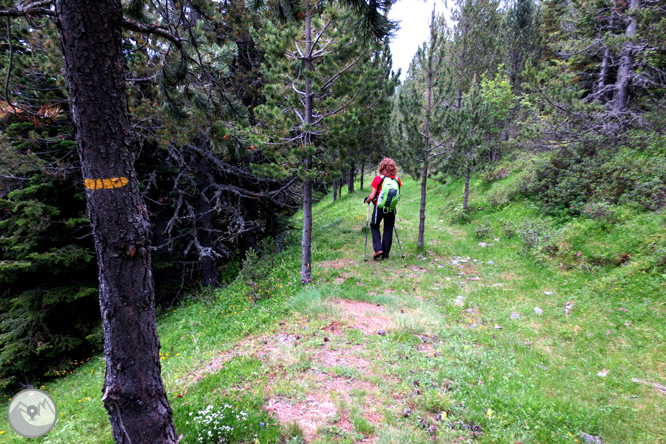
(534, 379)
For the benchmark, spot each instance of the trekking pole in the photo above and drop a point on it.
(367, 219)
(396, 236)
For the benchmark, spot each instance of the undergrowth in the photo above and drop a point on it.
(480, 346)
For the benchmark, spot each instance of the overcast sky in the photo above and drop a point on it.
(414, 16)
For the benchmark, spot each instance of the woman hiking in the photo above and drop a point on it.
(382, 244)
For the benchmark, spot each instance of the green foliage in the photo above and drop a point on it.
(583, 180)
(457, 214)
(482, 229)
(522, 37)
(476, 126)
(535, 234)
(257, 267)
(48, 308)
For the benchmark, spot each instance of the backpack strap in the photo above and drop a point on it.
(379, 187)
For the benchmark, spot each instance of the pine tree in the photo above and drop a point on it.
(421, 114)
(320, 49)
(475, 48)
(360, 134)
(476, 125)
(522, 37)
(47, 261)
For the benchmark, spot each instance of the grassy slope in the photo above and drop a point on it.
(534, 380)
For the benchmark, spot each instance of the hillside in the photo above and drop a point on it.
(465, 340)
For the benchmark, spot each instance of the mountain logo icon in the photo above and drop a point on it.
(32, 413)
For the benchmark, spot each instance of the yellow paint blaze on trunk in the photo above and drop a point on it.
(103, 184)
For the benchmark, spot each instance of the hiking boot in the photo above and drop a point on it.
(378, 254)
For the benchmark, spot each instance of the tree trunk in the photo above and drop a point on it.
(335, 190)
(362, 173)
(605, 62)
(248, 239)
(626, 63)
(134, 394)
(306, 242)
(422, 214)
(350, 180)
(469, 172)
(204, 222)
(426, 149)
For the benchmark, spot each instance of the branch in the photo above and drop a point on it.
(11, 60)
(332, 80)
(314, 44)
(36, 9)
(330, 113)
(152, 29)
(29, 10)
(300, 116)
(296, 89)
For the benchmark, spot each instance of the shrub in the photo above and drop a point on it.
(508, 227)
(566, 182)
(498, 199)
(491, 175)
(457, 214)
(482, 229)
(534, 234)
(599, 211)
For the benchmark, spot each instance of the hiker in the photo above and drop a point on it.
(387, 172)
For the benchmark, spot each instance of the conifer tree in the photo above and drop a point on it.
(422, 111)
(307, 63)
(522, 37)
(361, 132)
(476, 125)
(475, 48)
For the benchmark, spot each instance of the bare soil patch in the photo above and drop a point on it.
(309, 415)
(342, 358)
(367, 317)
(320, 408)
(339, 263)
(329, 387)
(334, 328)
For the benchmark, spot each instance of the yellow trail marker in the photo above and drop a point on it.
(103, 184)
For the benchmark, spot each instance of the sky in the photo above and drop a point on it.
(414, 16)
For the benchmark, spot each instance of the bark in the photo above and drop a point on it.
(467, 175)
(362, 173)
(204, 222)
(625, 70)
(335, 190)
(306, 242)
(422, 214)
(350, 180)
(515, 64)
(426, 153)
(248, 239)
(134, 395)
(605, 63)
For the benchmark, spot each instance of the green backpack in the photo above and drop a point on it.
(390, 194)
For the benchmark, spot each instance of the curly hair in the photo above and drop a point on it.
(387, 167)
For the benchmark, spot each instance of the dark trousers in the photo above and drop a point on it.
(382, 243)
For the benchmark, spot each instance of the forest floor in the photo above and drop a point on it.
(466, 340)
